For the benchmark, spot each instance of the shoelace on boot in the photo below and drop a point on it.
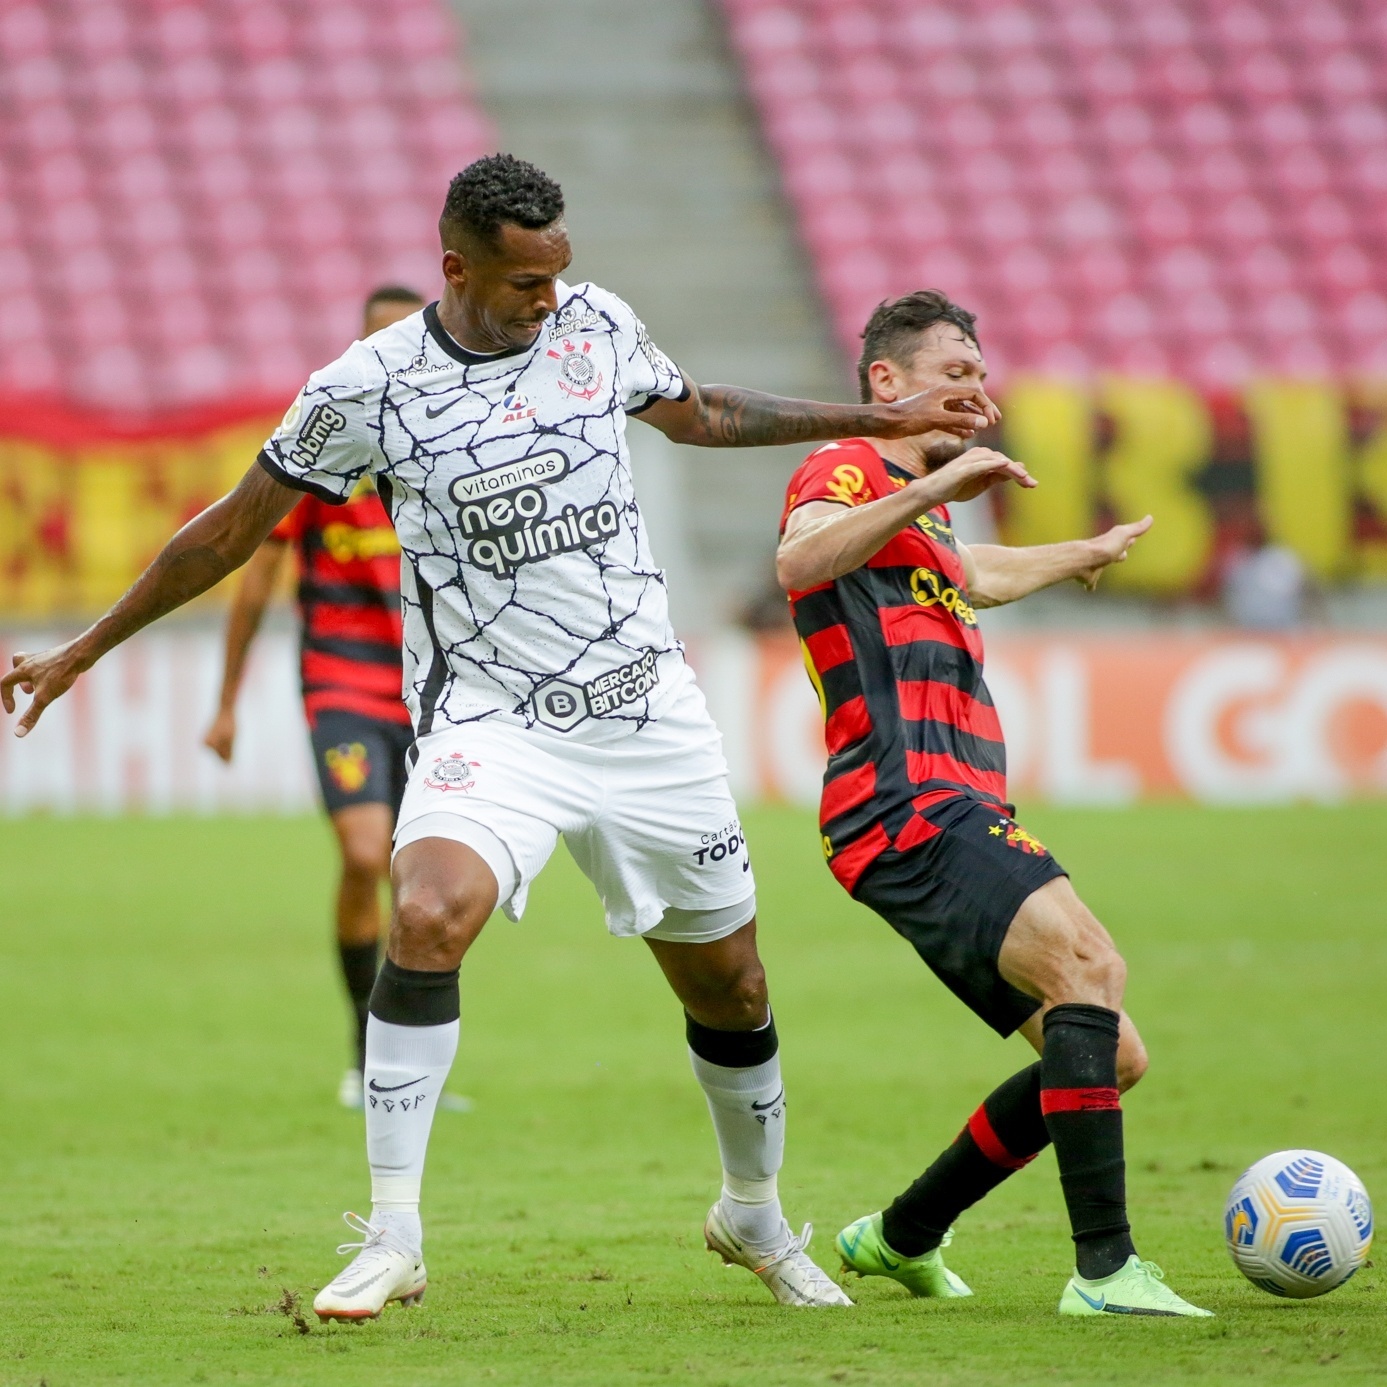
(371, 1235)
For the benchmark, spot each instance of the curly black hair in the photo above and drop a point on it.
(895, 324)
(495, 190)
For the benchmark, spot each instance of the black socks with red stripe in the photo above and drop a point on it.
(359, 973)
(1070, 1098)
(1078, 1096)
(1004, 1134)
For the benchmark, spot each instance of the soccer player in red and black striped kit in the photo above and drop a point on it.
(916, 823)
(350, 665)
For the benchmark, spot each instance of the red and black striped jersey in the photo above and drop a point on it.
(349, 605)
(895, 655)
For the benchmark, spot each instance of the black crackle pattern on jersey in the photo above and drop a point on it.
(530, 593)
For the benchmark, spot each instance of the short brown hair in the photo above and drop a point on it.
(895, 324)
(392, 293)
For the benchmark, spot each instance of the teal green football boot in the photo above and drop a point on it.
(1136, 1288)
(865, 1251)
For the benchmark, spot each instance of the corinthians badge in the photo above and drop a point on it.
(452, 773)
(578, 373)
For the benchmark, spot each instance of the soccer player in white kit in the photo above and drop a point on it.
(548, 692)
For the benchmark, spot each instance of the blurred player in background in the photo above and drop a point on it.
(352, 673)
(915, 821)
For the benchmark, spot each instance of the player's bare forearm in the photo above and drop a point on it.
(727, 416)
(209, 547)
(247, 611)
(1003, 574)
(824, 540)
(998, 573)
(201, 554)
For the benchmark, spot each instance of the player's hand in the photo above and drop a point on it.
(954, 408)
(969, 475)
(47, 676)
(221, 736)
(1112, 547)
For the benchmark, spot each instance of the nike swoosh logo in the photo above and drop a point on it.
(430, 412)
(395, 1088)
(1100, 1304)
(762, 1107)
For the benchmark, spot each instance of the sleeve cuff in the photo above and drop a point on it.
(684, 393)
(298, 483)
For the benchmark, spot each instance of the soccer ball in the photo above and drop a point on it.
(1298, 1223)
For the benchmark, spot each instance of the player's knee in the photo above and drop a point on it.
(365, 859)
(365, 848)
(1092, 971)
(735, 1001)
(432, 920)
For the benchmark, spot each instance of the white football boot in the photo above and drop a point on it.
(789, 1273)
(382, 1270)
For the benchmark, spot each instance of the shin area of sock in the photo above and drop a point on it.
(1002, 1135)
(739, 1072)
(411, 1039)
(1079, 1098)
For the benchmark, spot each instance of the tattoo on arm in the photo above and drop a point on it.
(730, 417)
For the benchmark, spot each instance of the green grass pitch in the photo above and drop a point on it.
(175, 1167)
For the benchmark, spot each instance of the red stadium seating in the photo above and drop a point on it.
(194, 198)
(1197, 186)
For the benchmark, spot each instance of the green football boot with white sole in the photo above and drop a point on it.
(865, 1251)
(1136, 1288)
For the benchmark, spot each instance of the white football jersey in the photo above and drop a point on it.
(530, 593)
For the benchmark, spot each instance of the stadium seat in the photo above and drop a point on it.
(1126, 159)
(293, 152)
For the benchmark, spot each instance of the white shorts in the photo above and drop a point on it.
(649, 818)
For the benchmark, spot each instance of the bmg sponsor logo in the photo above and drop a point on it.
(562, 705)
(323, 421)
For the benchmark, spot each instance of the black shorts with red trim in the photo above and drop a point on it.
(359, 760)
(954, 896)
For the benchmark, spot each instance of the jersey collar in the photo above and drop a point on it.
(450, 344)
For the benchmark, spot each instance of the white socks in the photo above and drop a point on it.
(748, 1111)
(406, 1068)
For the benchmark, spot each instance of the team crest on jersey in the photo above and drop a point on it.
(452, 773)
(847, 484)
(1016, 837)
(348, 765)
(517, 407)
(578, 373)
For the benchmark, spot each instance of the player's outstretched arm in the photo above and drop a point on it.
(242, 622)
(823, 540)
(726, 416)
(998, 574)
(201, 554)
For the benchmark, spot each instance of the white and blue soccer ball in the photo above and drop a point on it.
(1298, 1223)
